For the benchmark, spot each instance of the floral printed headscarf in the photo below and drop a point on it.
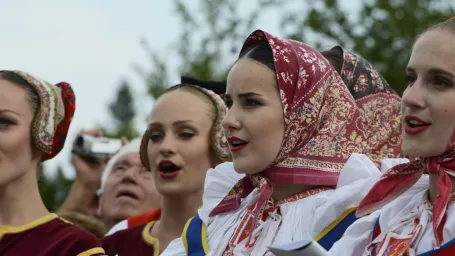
(378, 103)
(323, 124)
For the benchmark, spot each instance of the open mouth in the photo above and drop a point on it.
(168, 167)
(237, 144)
(126, 193)
(414, 125)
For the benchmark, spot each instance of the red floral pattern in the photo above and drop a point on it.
(400, 178)
(246, 227)
(379, 106)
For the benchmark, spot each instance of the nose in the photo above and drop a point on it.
(230, 122)
(130, 174)
(168, 147)
(414, 96)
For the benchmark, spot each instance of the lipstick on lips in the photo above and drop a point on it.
(415, 125)
(236, 144)
(168, 170)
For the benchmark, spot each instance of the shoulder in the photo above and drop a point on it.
(119, 226)
(126, 241)
(218, 182)
(72, 240)
(130, 233)
(404, 204)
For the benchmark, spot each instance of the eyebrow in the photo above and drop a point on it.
(9, 111)
(176, 123)
(244, 95)
(122, 162)
(433, 71)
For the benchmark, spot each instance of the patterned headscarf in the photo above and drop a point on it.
(57, 104)
(400, 178)
(218, 140)
(323, 124)
(379, 106)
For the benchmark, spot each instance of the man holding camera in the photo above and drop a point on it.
(127, 188)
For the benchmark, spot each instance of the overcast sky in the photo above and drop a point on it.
(92, 45)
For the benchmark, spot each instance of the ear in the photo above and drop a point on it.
(37, 155)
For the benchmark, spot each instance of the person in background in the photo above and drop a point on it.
(34, 120)
(183, 140)
(81, 203)
(82, 198)
(95, 201)
(413, 213)
(293, 128)
(127, 188)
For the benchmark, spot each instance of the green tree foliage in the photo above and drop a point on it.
(382, 31)
(123, 112)
(54, 189)
(207, 45)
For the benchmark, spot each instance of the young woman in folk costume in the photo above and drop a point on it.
(421, 219)
(292, 125)
(183, 140)
(34, 120)
(219, 88)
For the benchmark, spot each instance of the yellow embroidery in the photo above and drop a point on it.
(150, 240)
(12, 229)
(92, 251)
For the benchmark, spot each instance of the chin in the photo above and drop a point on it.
(246, 168)
(413, 151)
(170, 189)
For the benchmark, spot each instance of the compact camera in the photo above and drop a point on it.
(98, 149)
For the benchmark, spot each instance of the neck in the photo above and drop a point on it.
(282, 191)
(175, 212)
(433, 192)
(20, 201)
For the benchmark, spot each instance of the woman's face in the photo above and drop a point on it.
(428, 103)
(254, 123)
(179, 149)
(16, 115)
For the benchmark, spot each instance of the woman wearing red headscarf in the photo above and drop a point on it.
(292, 125)
(34, 121)
(421, 219)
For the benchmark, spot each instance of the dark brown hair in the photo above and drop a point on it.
(335, 57)
(16, 79)
(261, 52)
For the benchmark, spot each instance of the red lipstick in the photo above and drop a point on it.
(415, 125)
(236, 144)
(168, 170)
